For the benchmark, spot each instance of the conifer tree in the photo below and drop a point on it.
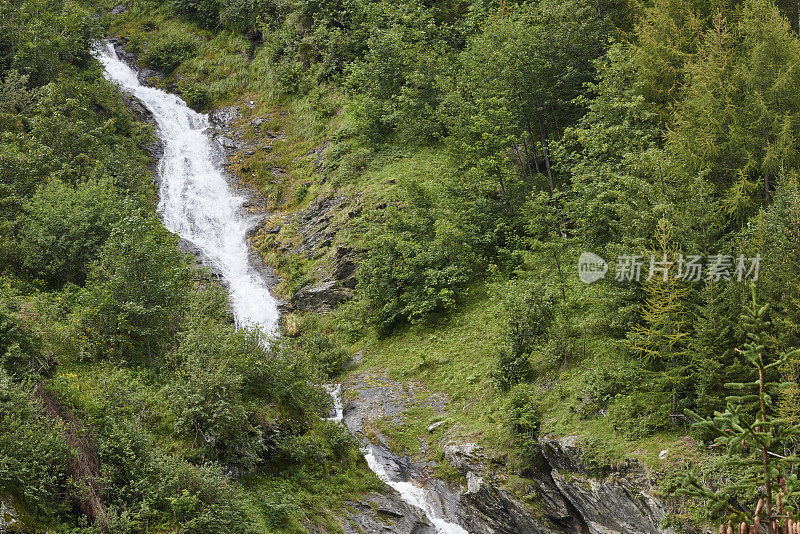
(751, 438)
(661, 339)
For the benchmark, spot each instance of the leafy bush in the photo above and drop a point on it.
(321, 348)
(599, 389)
(324, 444)
(211, 412)
(34, 455)
(415, 267)
(200, 499)
(20, 350)
(64, 227)
(205, 12)
(169, 51)
(197, 96)
(530, 312)
(136, 292)
(640, 414)
(525, 418)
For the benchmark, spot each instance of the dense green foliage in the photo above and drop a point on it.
(556, 127)
(129, 402)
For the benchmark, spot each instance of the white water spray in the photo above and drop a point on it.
(196, 201)
(414, 495)
(198, 205)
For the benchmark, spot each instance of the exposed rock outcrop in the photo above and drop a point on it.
(562, 494)
(9, 516)
(322, 297)
(385, 512)
(310, 234)
(621, 502)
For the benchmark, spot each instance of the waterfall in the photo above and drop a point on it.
(196, 201)
(412, 494)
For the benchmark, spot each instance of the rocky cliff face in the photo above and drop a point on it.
(562, 494)
(619, 502)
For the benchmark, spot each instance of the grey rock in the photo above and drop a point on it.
(614, 504)
(385, 512)
(344, 267)
(357, 359)
(466, 457)
(9, 517)
(474, 483)
(148, 76)
(434, 426)
(227, 143)
(154, 148)
(319, 298)
(119, 9)
(204, 268)
(225, 116)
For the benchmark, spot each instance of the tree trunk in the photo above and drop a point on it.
(546, 150)
(765, 452)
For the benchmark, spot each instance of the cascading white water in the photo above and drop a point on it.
(198, 205)
(196, 201)
(411, 494)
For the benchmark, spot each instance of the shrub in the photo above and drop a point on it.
(169, 51)
(205, 12)
(136, 292)
(525, 418)
(324, 444)
(196, 96)
(641, 414)
(34, 455)
(20, 350)
(530, 312)
(64, 227)
(211, 412)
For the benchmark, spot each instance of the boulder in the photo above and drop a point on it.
(319, 298)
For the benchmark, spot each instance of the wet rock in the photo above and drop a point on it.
(150, 76)
(466, 457)
(373, 397)
(379, 513)
(154, 148)
(480, 506)
(227, 143)
(224, 116)
(203, 267)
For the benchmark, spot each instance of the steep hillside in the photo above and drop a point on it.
(429, 179)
